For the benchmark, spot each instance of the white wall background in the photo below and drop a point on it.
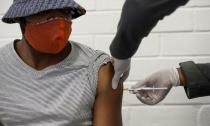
(185, 35)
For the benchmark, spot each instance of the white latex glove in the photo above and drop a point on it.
(163, 78)
(122, 69)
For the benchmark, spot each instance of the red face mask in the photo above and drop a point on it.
(49, 37)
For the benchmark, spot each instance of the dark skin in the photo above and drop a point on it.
(36, 59)
(181, 77)
(108, 102)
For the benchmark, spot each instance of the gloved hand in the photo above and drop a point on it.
(163, 78)
(122, 69)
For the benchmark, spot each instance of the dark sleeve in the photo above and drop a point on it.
(138, 17)
(1, 124)
(197, 77)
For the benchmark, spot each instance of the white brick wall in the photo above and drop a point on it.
(185, 35)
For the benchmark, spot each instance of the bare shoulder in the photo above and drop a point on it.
(108, 103)
(105, 76)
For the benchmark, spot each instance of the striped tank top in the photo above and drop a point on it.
(59, 95)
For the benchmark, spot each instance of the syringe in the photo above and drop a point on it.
(134, 91)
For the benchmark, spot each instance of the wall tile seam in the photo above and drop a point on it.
(179, 31)
(153, 32)
(201, 9)
(185, 55)
(10, 37)
(104, 11)
(197, 6)
(168, 58)
(119, 9)
(162, 54)
(193, 32)
(6, 39)
(112, 34)
(198, 30)
(180, 8)
(162, 105)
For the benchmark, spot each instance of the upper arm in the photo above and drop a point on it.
(108, 102)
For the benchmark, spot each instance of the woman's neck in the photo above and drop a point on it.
(39, 60)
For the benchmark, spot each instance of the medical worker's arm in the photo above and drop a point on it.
(138, 18)
(196, 79)
(107, 108)
(193, 77)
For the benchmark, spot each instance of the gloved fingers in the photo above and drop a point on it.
(157, 96)
(125, 75)
(146, 99)
(152, 97)
(115, 80)
(163, 93)
(121, 68)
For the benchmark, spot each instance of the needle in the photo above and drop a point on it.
(146, 88)
(133, 91)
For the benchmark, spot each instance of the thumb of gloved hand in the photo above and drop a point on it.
(116, 80)
(122, 69)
